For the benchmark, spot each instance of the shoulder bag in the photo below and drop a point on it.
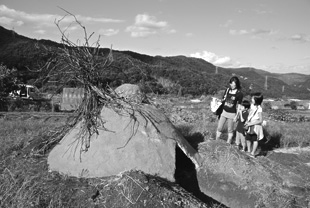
(250, 129)
(218, 105)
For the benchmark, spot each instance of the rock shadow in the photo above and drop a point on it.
(186, 177)
(269, 142)
(194, 139)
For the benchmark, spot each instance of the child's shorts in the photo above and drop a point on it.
(251, 137)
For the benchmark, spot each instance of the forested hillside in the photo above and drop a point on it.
(177, 74)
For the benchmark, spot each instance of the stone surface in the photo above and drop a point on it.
(131, 93)
(237, 180)
(145, 143)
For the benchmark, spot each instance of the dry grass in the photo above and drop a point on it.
(25, 180)
(16, 134)
(289, 134)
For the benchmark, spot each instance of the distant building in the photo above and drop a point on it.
(71, 99)
(25, 91)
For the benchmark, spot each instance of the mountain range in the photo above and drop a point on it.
(173, 74)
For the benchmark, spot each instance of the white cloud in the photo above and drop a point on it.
(100, 20)
(41, 32)
(216, 60)
(171, 31)
(6, 21)
(137, 31)
(281, 68)
(22, 17)
(146, 25)
(189, 34)
(238, 32)
(262, 12)
(300, 38)
(253, 32)
(144, 20)
(227, 23)
(306, 58)
(10, 22)
(227, 62)
(108, 32)
(39, 20)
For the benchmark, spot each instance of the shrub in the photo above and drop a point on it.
(294, 105)
(7, 80)
(267, 105)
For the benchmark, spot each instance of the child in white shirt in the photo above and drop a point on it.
(254, 123)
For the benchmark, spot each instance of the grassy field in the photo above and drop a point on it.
(26, 182)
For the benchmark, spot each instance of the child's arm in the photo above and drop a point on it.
(241, 117)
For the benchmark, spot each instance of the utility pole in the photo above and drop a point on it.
(266, 84)
(216, 70)
(13, 33)
(283, 89)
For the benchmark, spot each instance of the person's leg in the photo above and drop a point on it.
(243, 142)
(220, 127)
(230, 127)
(248, 143)
(238, 138)
(255, 145)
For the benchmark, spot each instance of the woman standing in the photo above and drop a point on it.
(232, 104)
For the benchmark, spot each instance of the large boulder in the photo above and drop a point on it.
(237, 180)
(138, 137)
(131, 93)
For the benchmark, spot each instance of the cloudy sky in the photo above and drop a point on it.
(273, 35)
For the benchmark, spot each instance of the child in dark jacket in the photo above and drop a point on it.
(241, 119)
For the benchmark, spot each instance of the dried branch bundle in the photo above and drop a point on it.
(83, 64)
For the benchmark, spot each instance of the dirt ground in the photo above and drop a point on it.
(37, 187)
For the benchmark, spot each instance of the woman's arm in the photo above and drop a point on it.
(238, 106)
(238, 115)
(225, 94)
(238, 112)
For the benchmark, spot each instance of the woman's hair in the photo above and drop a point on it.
(246, 104)
(258, 98)
(236, 80)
